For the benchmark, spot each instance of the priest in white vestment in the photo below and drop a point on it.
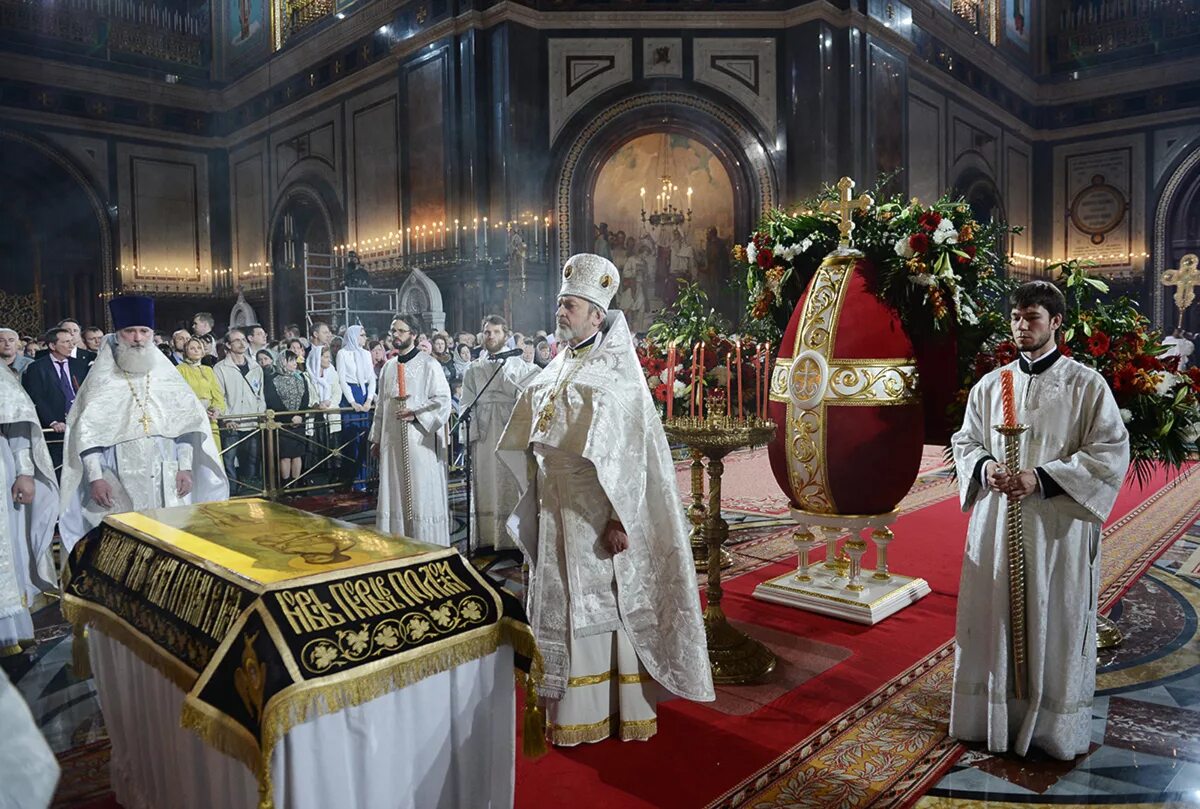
(491, 385)
(137, 437)
(1073, 460)
(612, 586)
(410, 439)
(28, 512)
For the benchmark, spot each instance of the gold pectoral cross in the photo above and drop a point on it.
(1185, 280)
(845, 206)
(145, 422)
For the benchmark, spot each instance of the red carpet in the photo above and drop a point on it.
(700, 754)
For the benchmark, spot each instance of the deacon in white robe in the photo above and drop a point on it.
(612, 595)
(1074, 458)
(137, 437)
(410, 439)
(28, 512)
(491, 385)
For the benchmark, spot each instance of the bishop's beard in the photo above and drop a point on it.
(134, 359)
(564, 333)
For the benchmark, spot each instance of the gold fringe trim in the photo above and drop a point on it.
(638, 730)
(81, 615)
(631, 730)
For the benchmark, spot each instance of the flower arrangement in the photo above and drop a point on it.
(931, 259)
(713, 370)
(1159, 405)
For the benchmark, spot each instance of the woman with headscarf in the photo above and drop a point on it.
(286, 391)
(441, 353)
(356, 370)
(203, 382)
(462, 358)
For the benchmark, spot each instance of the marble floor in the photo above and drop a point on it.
(1145, 747)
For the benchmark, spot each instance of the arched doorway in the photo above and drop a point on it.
(737, 157)
(1176, 234)
(301, 219)
(56, 247)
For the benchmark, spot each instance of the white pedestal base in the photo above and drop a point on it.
(828, 595)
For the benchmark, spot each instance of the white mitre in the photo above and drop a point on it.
(591, 277)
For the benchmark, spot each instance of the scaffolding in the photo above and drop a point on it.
(327, 300)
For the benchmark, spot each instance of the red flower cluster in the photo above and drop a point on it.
(930, 220)
(918, 242)
(661, 393)
(765, 258)
(1098, 344)
(1006, 352)
(969, 249)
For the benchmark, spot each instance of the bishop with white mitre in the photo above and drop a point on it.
(137, 437)
(412, 407)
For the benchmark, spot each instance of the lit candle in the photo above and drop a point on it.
(738, 362)
(728, 398)
(401, 386)
(692, 395)
(689, 197)
(1008, 399)
(670, 380)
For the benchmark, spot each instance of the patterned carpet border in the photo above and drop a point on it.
(887, 750)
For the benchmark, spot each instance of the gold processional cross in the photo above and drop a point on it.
(845, 205)
(1185, 280)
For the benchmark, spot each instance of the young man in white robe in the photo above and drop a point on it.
(491, 385)
(1074, 458)
(612, 593)
(410, 439)
(137, 437)
(28, 513)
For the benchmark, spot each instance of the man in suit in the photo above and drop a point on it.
(9, 355)
(52, 382)
(78, 349)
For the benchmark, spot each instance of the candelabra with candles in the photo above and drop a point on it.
(442, 243)
(713, 428)
(665, 213)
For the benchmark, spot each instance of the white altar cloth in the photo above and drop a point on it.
(446, 741)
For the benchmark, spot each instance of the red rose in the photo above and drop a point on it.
(969, 249)
(764, 258)
(930, 220)
(918, 242)
(1098, 344)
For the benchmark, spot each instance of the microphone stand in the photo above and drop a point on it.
(465, 418)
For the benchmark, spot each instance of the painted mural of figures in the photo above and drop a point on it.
(640, 265)
(620, 250)
(603, 248)
(716, 261)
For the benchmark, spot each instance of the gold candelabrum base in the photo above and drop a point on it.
(735, 657)
(1107, 634)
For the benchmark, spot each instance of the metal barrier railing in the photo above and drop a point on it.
(330, 459)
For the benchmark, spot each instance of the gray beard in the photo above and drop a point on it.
(134, 359)
(564, 333)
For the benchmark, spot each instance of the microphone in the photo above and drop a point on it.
(503, 355)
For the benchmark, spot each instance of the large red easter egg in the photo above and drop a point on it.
(845, 397)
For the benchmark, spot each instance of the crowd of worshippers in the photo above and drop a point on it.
(208, 360)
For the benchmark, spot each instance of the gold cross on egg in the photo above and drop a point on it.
(845, 206)
(1185, 280)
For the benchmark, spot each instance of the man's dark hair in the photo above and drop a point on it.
(52, 335)
(316, 325)
(67, 320)
(1039, 293)
(91, 329)
(206, 317)
(493, 320)
(253, 327)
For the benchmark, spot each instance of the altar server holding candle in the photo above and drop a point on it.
(1074, 456)
(408, 432)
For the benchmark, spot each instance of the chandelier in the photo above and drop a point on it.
(665, 212)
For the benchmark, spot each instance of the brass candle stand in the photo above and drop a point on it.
(1015, 536)
(735, 657)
